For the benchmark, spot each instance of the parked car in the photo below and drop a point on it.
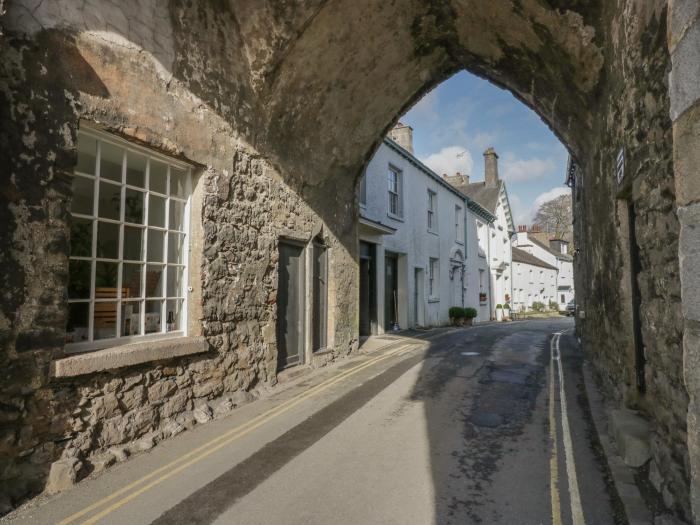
(571, 309)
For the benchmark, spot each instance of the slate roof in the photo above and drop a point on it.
(558, 255)
(522, 256)
(487, 197)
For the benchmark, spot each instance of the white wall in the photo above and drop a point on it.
(500, 257)
(532, 283)
(415, 244)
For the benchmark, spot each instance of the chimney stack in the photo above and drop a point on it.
(403, 136)
(491, 168)
(456, 180)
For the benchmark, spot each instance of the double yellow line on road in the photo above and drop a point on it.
(136, 488)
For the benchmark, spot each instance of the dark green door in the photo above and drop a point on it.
(290, 305)
(391, 290)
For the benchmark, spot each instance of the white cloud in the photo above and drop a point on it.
(519, 170)
(450, 160)
(551, 194)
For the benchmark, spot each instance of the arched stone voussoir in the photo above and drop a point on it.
(356, 66)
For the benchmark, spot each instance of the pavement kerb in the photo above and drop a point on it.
(635, 508)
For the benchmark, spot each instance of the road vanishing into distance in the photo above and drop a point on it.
(487, 424)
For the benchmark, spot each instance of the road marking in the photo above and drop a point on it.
(204, 450)
(574, 494)
(554, 458)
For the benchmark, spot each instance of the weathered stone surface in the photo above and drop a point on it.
(203, 413)
(63, 475)
(103, 462)
(632, 435)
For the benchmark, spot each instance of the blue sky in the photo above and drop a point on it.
(455, 123)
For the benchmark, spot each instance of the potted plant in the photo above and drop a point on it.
(456, 315)
(469, 315)
(506, 311)
(482, 298)
(499, 312)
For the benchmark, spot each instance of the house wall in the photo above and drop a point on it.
(532, 283)
(477, 261)
(412, 240)
(500, 256)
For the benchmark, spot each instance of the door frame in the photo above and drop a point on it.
(303, 290)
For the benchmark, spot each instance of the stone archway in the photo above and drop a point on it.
(281, 105)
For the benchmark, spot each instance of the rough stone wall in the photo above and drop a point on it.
(635, 117)
(152, 82)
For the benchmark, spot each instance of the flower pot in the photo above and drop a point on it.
(499, 314)
(468, 321)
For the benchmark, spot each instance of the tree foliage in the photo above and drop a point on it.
(555, 217)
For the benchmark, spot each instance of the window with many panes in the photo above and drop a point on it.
(394, 184)
(433, 277)
(432, 208)
(128, 250)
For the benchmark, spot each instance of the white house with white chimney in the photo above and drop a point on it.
(419, 247)
(494, 238)
(556, 256)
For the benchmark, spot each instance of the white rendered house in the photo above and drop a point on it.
(534, 280)
(418, 245)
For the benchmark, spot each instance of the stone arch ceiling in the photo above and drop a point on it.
(330, 77)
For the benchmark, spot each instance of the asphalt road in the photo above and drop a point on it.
(465, 426)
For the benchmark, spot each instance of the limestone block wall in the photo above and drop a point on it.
(635, 119)
(135, 81)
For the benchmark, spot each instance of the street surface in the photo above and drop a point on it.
(448, 427)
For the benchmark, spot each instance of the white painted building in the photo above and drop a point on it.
(555, 255)
(534, 280)
(494, 238)
(418, 244)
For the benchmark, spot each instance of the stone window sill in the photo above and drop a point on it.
(127, 355)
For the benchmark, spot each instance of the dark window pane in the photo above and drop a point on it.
(177, 215)
(135, 169)
(106, 280)
(107, 240)
(83, 195)
(156, 211)
(111, 162)
(133, 206)
(174, 286)
(105, 320)
(154, 281)
(79, 279)
(110, 200)
(131, 318)
(81, 237)
(154, 312)
(131, 280)
(177, 183)
(174, 315)
(133, 243)
(155, 244)
(77, 329)
(158, 177)
(175, 248)
(87, 154)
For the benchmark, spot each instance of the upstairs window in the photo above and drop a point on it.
(432, 208)
(433, 278)
(128, 246)
(395, 183)
(363, 190)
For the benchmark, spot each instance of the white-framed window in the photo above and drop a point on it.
(363, 190)
(432, 209)
(481, 237)
(129, 244)
(433, 277)
(459, 224)
(395, 183)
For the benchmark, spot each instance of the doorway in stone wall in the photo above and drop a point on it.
(319, 310)
(290, 304)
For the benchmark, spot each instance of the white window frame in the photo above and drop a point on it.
(363, 190)
(96, 344)
(433, 279)
(395, 192)
(459, 224)
(432, 211)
